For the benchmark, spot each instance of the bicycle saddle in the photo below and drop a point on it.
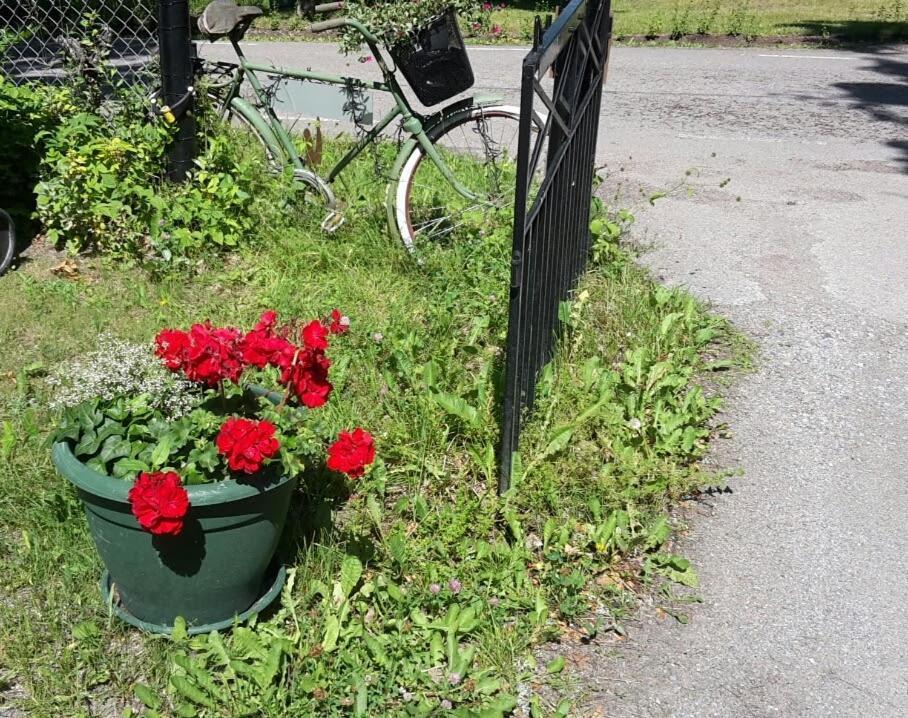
(222, 17)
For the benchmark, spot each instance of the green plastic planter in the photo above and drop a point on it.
(213, 572)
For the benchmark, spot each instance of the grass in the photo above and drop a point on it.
(616, 440)
(846, 20)
(832, 20)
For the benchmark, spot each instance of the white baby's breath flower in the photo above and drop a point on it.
(121, 369)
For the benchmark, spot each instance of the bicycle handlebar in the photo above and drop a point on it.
(329, 7)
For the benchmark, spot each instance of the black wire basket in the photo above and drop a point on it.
(434, 59)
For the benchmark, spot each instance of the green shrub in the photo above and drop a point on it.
(98, 184)
(26, 113)
(103, 190)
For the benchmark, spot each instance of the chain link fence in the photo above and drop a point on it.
(42, 40)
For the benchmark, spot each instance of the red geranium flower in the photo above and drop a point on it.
(266, 321)
(262, 347)
(159, 502)
(339, 323)
(213, 354)
(170, 346)
(307, 377)
(315, 335)
(352, 452)
(247, 444)
(205, 354)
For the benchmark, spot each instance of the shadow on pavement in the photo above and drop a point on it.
(886, 100)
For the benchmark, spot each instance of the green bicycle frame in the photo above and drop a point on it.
(411, 121)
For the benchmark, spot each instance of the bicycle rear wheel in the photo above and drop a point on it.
(7, 241)
(479, 146)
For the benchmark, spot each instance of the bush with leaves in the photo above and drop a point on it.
(103, 190)
(393, 20)
(26, 114)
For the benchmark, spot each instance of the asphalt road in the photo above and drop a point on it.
(787, 208)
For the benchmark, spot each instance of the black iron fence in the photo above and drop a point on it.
(552, 207)
(40, 40)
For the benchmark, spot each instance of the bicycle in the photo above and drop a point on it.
(470, 144)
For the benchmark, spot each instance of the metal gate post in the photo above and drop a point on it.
(175, 42)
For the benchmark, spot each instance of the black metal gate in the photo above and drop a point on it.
(552, 207)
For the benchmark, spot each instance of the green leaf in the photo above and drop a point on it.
(654, 196)
(658, 533)
(114, 447)
(127, 467)
(563, 709)
(397, 548)
(499, 707)
(375, 510)
(179, 633)
(162, 451)
(458, 407)
(362, 700)
(189, 690)
(332, 631)
(351, 572)
(560, 440)
(86, 631)
(149, 698)
(430, 374)
(7, 441)
(556, 665)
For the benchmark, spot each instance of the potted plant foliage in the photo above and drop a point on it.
(425, 41)
(186, 461)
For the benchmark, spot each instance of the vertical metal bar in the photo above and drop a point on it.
(551, 239)
(511, 403)
(175, 42)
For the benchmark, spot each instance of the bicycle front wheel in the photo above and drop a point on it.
(479, 147)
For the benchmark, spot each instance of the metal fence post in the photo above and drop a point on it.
(175, 42)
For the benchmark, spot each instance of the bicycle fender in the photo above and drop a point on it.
(405, 151)
(254, 118)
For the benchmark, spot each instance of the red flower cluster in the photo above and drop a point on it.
(210, 355)
(205, 354)
(247, 444)
(340, 323)
(352, 452)
(315, 335)
(263, 347)
(304, 369)
(159, 502)
(307, 377)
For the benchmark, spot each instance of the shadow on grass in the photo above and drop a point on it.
(851, 31)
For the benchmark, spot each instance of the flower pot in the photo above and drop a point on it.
(434, 59)
(212, 572)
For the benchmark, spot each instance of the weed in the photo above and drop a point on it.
(742, 21)
(680, 21)
(705, 20)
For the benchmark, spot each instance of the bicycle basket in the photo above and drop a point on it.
(434, 59)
